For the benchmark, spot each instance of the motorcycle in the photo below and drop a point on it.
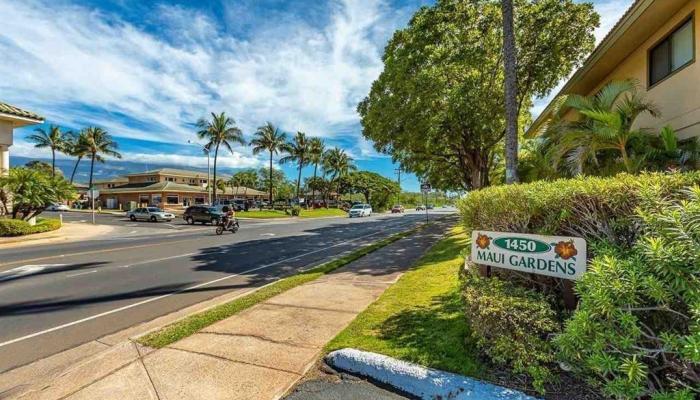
(227, 225)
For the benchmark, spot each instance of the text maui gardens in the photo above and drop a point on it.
(557, 256)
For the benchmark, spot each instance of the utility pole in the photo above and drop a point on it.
(397, 171)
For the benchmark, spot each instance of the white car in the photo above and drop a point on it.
(360, 210)
(153, 214)
(57, 207)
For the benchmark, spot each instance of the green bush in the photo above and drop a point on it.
(597, 209)
(511, 325)
(296, 210)
(18, 227)
(637, 328)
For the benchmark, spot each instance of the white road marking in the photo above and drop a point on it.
(81, 273)
(25, 270)
(140, 303)
(157, 260)
(267, 234)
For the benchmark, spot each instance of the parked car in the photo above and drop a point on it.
(203, 214)
(397, 209)
(430, 206)
(152, 214)
(420, 207)
(360, 210)
(57, 207)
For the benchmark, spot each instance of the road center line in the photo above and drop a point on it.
(140, 303)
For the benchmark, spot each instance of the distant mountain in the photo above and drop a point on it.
(109, 169)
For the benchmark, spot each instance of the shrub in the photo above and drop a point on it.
(296, 210)
(18, 227)
(637, 328)
(511, 325)
(597, 209)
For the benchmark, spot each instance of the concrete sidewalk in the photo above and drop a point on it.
(257, 354)
(69, 232)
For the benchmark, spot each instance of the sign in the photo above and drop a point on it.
(425, 187)
(94, 193)
(557, 256)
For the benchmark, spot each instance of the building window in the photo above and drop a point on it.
(172, 199)
(673, 53)
(156, 199)
(169, 179)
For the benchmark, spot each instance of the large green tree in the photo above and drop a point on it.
(376, 189)
(247, 178)
(438, 105)
(220, 130)
(316, 150)
(76, 146)
(268, 138)
(337, 163)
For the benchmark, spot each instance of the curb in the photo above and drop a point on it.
(424, 383)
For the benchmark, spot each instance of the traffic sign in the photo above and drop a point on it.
(425, 187)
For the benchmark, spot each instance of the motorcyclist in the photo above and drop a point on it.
(229, 216)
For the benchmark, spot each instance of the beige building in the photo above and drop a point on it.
(655, 44)
(12, 117)
(166, 188)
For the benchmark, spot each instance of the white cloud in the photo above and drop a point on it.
(75, 66)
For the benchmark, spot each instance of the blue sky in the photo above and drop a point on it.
(147, 70)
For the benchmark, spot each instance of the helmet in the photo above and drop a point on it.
(225, 209)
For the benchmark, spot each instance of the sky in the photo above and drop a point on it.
(146, 71)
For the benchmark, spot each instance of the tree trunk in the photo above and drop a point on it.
(313, 190)
(75, 169)
(511, 93)
(301, 162)
(53, 162)
(92, 168)
(216, 154)
(270, 179)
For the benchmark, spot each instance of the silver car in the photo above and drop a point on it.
(360, 210)
(152, 214)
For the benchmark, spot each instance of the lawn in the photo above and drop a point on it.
(319, 212)
(420, 319)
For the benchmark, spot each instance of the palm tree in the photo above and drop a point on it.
(76, 146)
(605, 124)
(316, 150)
(99, 143)
(297, 151)
(219, 131)
(337, 163)
(268, 138)
(511, 92)
(53, 139)
(247, 178)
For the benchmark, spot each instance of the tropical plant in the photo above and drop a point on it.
(54, 139)
(247, 179)
(636, 330)
(665, 152)
(76, 146)
(376, 189)
(438, 109)
(337, 163)
(316, 150)
(98, 144)
(536, 162)
(221, 130)
(30, 190)
(297, 151)
(268, 138)
(605, 123)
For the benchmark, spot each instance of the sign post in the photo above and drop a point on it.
(93, 193)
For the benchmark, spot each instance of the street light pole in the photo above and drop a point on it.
(206, 151)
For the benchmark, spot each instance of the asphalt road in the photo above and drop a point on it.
(55, 297)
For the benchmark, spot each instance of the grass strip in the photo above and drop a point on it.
(421, 317)
(193, 323)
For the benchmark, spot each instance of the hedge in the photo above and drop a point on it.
(597, 209)
(18, 227)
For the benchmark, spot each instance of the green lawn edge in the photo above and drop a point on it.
(194, 323)
(420, 318)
